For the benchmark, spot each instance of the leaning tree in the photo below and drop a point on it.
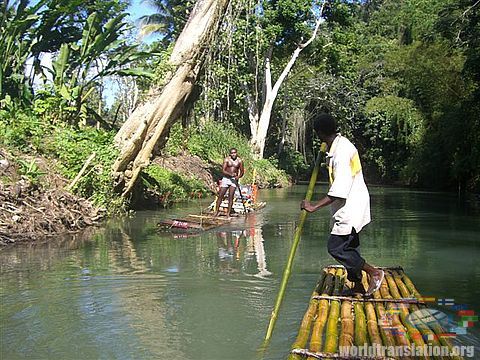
(148, 125)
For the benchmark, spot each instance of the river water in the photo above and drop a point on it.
(125, 291)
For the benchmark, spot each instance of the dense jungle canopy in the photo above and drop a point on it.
(401, 77)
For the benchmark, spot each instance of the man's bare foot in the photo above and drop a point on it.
(376, 278)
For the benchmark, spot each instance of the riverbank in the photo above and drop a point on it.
(35, 202)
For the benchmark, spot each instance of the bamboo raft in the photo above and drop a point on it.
(195, 223)
(390, 319)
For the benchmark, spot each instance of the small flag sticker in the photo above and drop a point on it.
(469, 318)
(460, 330)
(446, 302)
(449, 334)
(466, 313)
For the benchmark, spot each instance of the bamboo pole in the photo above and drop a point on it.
(371, 300)
(347, 330)
(409, 284)
(360, 325)
(293, 249)
(372, 324)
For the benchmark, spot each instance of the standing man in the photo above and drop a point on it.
(232, 170)
(350, 204)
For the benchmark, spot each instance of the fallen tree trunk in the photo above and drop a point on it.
(149, 123)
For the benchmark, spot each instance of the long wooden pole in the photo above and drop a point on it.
(293, 249)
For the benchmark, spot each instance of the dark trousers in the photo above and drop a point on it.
(344, 248)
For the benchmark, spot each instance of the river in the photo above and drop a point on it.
(125, 291)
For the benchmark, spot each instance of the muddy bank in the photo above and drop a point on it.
(34, 202)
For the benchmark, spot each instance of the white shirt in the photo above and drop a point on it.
(352, 208)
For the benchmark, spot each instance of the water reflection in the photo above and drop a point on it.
(126, 291)
(238, 249)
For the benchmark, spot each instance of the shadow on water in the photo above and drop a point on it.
(126, 291)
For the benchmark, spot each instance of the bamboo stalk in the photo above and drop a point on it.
(293, 249)
(323, 311)
(414, 334)
(329, 283)
(409, 284)
(324, 355)
(400, 335)
(360, 325)
(339, 281)
(317, 332)
(305, 326)
(372, 324)
(387, 337)
(347, 330)
(320, 283)
(370, 300)
(331, 338)
(424, 328)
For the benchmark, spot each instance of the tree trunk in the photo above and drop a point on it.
(149, 124)
(260, 133)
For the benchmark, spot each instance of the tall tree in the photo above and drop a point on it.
(149, 124)
(260, 120)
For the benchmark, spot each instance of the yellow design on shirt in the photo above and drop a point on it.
(355, 166)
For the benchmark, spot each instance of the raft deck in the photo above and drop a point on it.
(336, 327)
(193, 222)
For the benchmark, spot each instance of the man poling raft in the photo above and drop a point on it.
(350, 202)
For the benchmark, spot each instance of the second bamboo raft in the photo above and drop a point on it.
(393, 324)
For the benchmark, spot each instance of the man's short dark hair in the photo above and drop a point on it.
(324, 123)
(232, 149)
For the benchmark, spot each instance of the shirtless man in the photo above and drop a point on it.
(232, 170)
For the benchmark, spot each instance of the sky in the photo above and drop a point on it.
(137, 9)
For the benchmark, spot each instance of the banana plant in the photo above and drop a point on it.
(102, 51)
(18, 23)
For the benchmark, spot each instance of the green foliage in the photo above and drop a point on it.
(292, 162)
(30, 169)
(71, 147)
(394, 128)
(269, 174)
(101, 52)
(17, 38)
(212, 142)
(89, 41)
(171, 187)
